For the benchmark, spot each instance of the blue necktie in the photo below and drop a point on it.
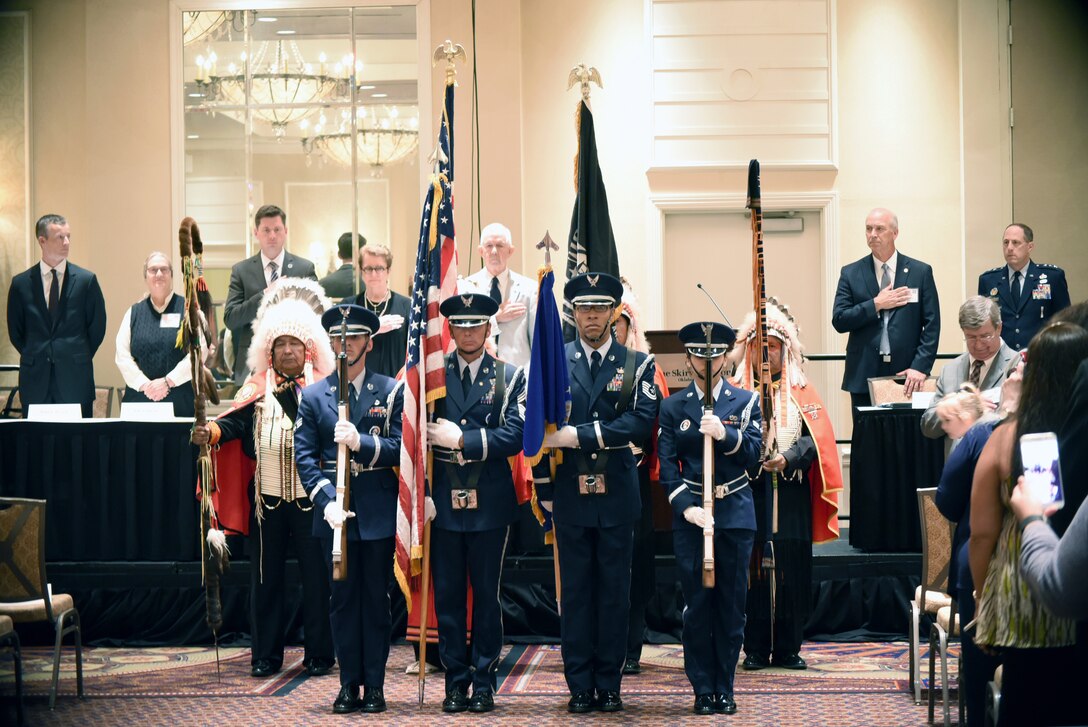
(595, 364)
(466, 381)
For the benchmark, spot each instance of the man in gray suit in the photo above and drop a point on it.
(250, 279)
(516, 295)
(985, 364)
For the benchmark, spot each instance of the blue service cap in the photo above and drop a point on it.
(694, 338)
(468, 310)
(359, 320)
(594, 288)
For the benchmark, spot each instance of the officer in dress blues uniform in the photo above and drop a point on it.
(713, 617)
(1028, 293)
(359, 610)
(478, 426)
(596, 492)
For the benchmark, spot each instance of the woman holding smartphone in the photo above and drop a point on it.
(1041, 674)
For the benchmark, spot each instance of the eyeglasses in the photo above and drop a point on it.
(371, 269)
(158, 271)
(594, 307)
(980, 339)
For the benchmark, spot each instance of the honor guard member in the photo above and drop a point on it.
(288, 349)
(713, 617)
(596, 493)
(361, 620)
(477, 430)
(1027, 292)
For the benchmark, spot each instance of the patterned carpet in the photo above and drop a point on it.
(862, 684)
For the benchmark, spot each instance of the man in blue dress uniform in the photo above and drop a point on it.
(713, 617)
(596, 492)
(1029, 293)
(477, 428)
(359, 610)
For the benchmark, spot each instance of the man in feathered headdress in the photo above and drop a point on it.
(258, 484)
(796, 493)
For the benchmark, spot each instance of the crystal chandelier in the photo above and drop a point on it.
(283, 86)
(209, 24)
(379, 142)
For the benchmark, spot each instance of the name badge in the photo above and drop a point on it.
(170, 320)
(913, 294)
(1041, 292)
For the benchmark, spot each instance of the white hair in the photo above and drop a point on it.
(497, 229)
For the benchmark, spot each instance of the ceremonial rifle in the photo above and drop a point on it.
(213, 543)
(766, 390)
(343, 457)
(708, 470)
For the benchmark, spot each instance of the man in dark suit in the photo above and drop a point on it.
(986, 363)
(888, 304)
(1028, 292)
(338, 284)
(56, 321)
(477, 430)
(250, 278)
(359, 609)
(596, 492)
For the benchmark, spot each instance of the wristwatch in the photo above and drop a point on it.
(1030, 519)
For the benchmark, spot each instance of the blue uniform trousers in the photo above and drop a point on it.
(359, 611)
(458, 558)
(596, 567)
(713, 617)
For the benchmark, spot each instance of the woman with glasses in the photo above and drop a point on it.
(153, 366)
(392, 309)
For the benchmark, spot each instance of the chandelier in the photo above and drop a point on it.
(378, 141)
(209, 24)
(283, 86)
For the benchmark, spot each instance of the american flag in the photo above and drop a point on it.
(428, 338)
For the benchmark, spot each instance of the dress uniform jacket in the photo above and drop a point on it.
(713, 618)
(359, 606)
(913, 329)
(468, 544)
(1044, 292)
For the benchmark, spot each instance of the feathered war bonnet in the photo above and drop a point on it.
(293, 308)
(630, 309)
(780, 324)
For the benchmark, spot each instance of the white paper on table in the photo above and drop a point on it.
(54, 413)
(921, 399)
(147, 411)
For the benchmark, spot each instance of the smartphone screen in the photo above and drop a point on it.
(1042, 470)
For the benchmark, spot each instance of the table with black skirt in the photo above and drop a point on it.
(890, 459)
(116, 490)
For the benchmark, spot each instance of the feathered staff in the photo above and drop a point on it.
(766, 391)
(213, 543)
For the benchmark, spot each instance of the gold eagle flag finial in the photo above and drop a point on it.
(449, 52)
(584, 75)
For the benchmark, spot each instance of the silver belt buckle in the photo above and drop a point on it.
(886, 357)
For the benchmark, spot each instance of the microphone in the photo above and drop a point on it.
(714, 303)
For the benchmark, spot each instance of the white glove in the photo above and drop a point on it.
(389, 323)
(565, 437)
(546, 504)
(712, 425)
(444, 433)
(429, 511)
(335, 515)
(346, 433)
(697, 517)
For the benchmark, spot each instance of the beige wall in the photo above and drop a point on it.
(920, 124)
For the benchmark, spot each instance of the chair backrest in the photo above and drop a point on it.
(936, 542)
(103, 402)
(889, 389)
(10, 406)
(22, 551)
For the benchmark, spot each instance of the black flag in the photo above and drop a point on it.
(591, 246)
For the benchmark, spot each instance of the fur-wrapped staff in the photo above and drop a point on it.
(215, 557)
(766, 391)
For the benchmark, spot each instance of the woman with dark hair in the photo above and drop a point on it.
(1041, 673)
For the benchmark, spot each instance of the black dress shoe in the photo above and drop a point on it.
(481, 702)
(373, 700)
(319, 667)
(456, 700)
(263, 668)
(609, 702)
(704, 704)
(631, 666)
(755, 662)
(580, 703)
(347, 700)
(724, 704)
(793, 661)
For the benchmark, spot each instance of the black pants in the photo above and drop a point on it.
(359, 611)
(857, 400)
(458, 559)
(793, 600)
(595, 565)
(1042, 687)
(286, 526)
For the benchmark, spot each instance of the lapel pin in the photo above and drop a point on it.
(906, 270)
(611, 357)
(577, 355)
(370, 387)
